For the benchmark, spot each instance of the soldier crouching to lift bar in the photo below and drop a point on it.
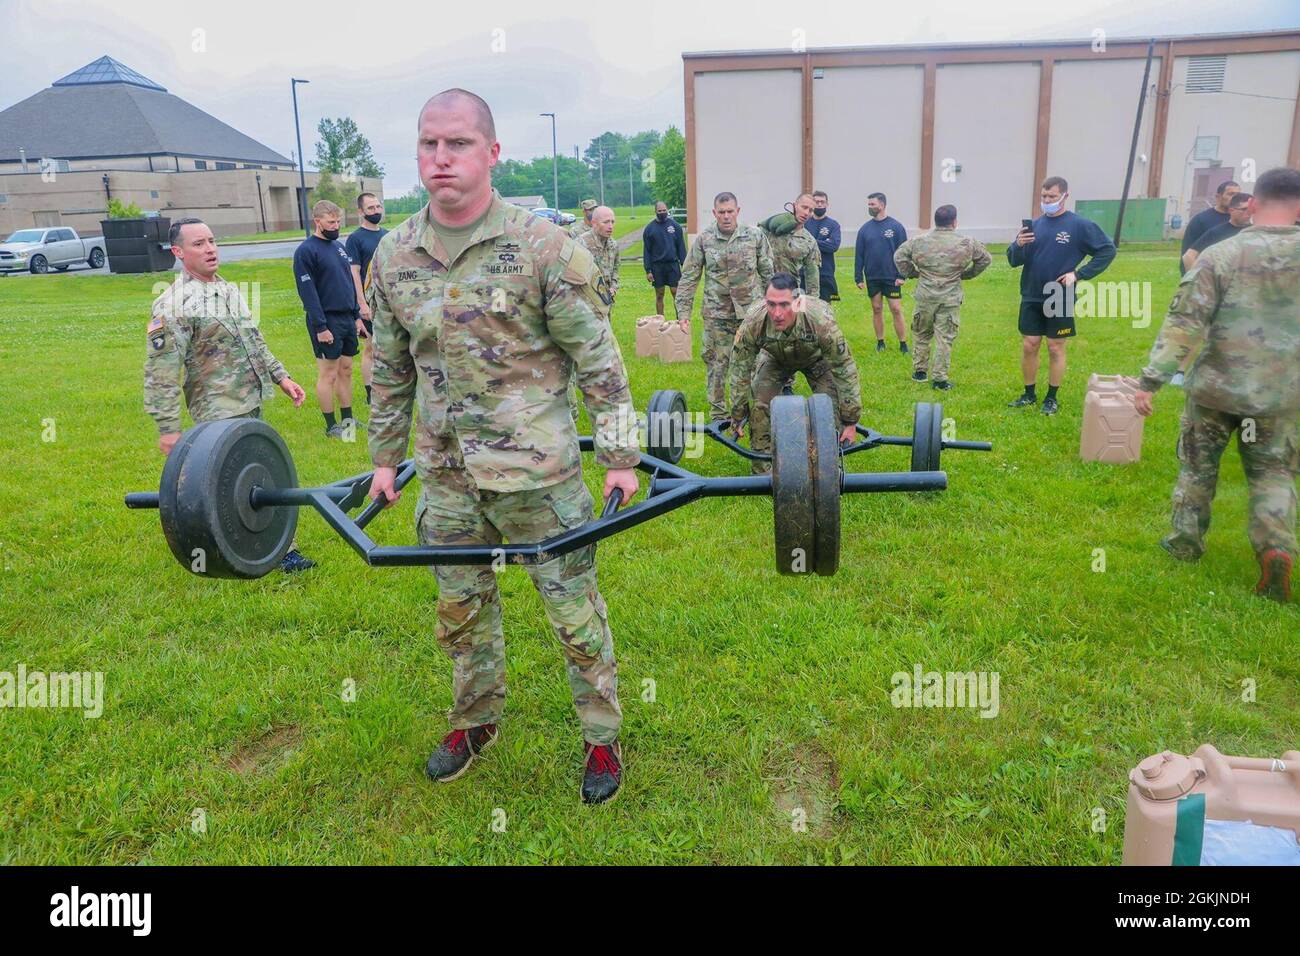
(779, 336)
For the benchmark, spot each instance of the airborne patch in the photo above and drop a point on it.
(157, 333)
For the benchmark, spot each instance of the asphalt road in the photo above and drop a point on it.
(260, 250)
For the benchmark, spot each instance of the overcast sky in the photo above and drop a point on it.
(597, 65)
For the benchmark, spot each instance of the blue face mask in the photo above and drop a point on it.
(1052, 208)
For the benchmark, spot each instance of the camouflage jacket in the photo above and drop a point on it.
(204, 332)
(605, 252)
(735, 269)
(484, 346)
(814, 338)
(795, 253)
(941, 258)
(1243, 297)
(578, 227)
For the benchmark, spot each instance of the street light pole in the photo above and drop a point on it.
(601, 153)
(302, 176)
(555, 164)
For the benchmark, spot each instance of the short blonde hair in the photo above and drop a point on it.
(325, 208)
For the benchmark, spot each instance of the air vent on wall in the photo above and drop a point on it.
(1205, 74)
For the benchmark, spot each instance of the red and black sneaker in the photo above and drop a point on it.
(1275, 575)
(458, 750)
(604, 773)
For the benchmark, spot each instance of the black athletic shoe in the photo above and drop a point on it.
(880, 345)
(919, 376)
(902, 347)
(294, 562)
(1050, 407)
(458, 750)
(334, 431)
(1022, 401)
(604, 773)
(943, 385)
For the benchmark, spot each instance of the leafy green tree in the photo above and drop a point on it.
(343, 150)
(670, 169)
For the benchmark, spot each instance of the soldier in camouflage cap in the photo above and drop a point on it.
(941, 259)
(735, 262)
(583, 224)
(794, 250)
(203, 342)
(481, 310)
(1242, 297)
(785, 333)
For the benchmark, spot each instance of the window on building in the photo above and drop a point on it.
(3, 198)
(1205, 73)
(252, 166)
(200, 164)
(1206, 148)
(225, 165)
(153, 194)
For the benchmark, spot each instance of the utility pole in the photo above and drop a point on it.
(600, 152)
(555, 164)
(302, 176)
(631, 199)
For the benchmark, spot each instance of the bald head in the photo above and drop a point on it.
(602, 221)
(803, 207)
(456, 98)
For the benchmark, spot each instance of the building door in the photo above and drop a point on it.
(1205, 185)
(47, 217)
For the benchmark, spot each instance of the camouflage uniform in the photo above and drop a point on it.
(1241, 296)
(205, 330)
(798, 254)
(764, 358)
(605, 252)
(941, 258)
(483, 348)
(739, 268)
(580, 225)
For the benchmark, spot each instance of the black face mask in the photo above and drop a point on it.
(375, 218)
(661, 216)
(819, 211)
(330, 234)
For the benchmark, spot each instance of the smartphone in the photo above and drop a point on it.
(1027, 224)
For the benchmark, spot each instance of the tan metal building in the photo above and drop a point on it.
(981, 125)
(104, 131)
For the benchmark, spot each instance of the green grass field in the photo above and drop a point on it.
(771, 694)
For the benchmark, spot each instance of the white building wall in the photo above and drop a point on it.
(1094, 103)
(748, 141)
(867, 138)
(986, 121)
(1252, 119)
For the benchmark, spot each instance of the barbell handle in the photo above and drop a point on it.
(612, 502)
(378, 504)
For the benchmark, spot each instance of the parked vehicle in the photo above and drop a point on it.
(42, 249)
(554, 215)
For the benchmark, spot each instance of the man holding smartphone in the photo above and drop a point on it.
(1050, 249)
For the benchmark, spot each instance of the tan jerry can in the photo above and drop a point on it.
(647, 335)
(674, 343)
(1112, 427)
(1213, 810)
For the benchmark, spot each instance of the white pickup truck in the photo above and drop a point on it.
(56, 247)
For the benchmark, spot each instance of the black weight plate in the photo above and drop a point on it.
(666, 425)
(167, 509)
(224, 461)
(826, 466)
(792, 486)
(921, 432)
(936, 435)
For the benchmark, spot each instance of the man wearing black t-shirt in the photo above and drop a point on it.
(322, 272)
(1238, 219)
(1207, 219)
(361, 246)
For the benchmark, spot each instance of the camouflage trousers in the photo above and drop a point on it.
(938, 323)
(1270, 456)
(719, 339)
(453, 510)
(769, 378)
